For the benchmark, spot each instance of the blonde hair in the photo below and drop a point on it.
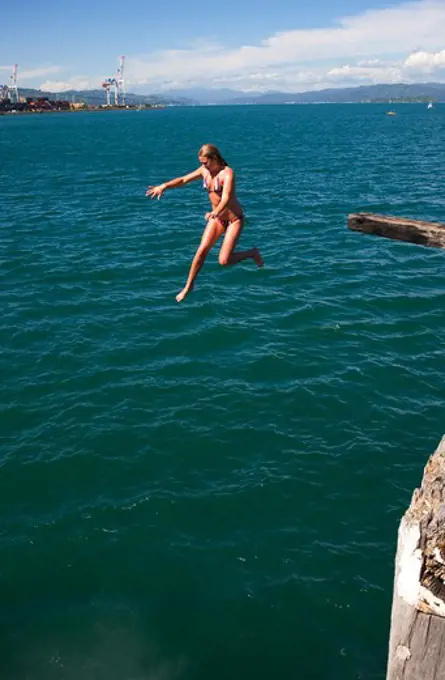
(211, 151)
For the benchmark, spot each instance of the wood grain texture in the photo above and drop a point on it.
(423, 233)
(417, 637)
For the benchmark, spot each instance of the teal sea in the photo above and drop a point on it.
(212, 490)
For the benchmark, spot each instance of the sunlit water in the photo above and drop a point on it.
(212, 490)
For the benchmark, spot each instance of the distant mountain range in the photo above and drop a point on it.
(206, 97)
(98, 97)
(364, 93)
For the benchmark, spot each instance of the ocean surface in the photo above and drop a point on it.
(212, 490)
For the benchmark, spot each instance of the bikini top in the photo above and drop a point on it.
(213, 184)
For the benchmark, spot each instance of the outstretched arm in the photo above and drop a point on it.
(157, 191)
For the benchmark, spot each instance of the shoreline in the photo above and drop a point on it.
(86, 109)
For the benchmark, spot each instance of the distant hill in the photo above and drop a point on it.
(98, 97)
(209, 96)
(363, 93)
(200, 96)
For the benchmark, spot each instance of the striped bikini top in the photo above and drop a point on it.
(213, 184)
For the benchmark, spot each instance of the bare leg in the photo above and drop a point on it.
(252, 253)
(227, 256)
(211, 234)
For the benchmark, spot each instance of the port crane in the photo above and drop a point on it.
(117, 83)
(10, 91)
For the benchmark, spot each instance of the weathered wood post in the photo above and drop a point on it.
(400, 228)
(417, 638)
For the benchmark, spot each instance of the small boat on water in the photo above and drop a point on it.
(430, 105)
(390, 113)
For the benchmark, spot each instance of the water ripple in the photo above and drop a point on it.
(266, 434)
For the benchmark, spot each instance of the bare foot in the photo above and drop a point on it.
(257, 257)
(183, 294)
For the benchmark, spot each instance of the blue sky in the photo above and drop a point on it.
(253, 45)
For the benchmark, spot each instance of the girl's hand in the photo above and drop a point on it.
(155, 192)
(210, 216)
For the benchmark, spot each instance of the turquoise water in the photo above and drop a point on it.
(212, 490)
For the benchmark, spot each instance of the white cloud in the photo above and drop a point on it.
(414, 68)
(78, 83)
(425, 62)
(38, 72)
(371, 45)
(28, 78)
(365, 74)
(55, 86)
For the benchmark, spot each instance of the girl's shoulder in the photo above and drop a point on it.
(227, 171)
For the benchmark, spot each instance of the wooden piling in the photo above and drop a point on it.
(403, 229)
(417, 637)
